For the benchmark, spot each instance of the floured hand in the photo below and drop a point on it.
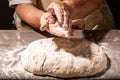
(49, 23)
(57, 30)
(57, 20)
(45, 20)
(62, 13)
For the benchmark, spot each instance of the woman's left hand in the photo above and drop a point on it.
(62, 13)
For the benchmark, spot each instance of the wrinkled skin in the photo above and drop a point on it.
(57, 20)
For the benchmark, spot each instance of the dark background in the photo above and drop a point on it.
(115, 8)
(6, 14)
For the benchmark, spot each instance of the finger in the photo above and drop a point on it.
(51, 20)
(59, 14)
(43, 27)
(69, 33)
(45, 20)
(51, 10)
(54, 29)
(43, 23)
(58, 10)
(70, 27)
(66, 21)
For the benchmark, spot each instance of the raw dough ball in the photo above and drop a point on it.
(66, 58)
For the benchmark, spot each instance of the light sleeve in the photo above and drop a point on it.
(13, 3)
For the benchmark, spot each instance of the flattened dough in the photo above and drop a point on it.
(65, 58)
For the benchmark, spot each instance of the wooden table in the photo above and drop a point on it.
(109, 40)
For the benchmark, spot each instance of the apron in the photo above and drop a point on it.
(101, 19)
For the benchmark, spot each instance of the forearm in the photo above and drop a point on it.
(30, 14)
(82, 8)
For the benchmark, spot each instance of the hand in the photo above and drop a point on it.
(49, 23)
(57, 30)
(46, 19)
(57, 20)
(62, 13)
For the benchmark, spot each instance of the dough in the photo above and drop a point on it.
(64, 58)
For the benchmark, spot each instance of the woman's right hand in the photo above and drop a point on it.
(49, 23)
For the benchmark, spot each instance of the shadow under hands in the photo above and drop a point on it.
(95, 36)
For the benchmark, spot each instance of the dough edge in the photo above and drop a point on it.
(40, 66)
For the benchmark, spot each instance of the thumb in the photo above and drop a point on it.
(51, 10)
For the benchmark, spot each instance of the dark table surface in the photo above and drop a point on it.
(108, 40)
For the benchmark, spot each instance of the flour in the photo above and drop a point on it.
(10, 66)
(104, 46)
(10, 57)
